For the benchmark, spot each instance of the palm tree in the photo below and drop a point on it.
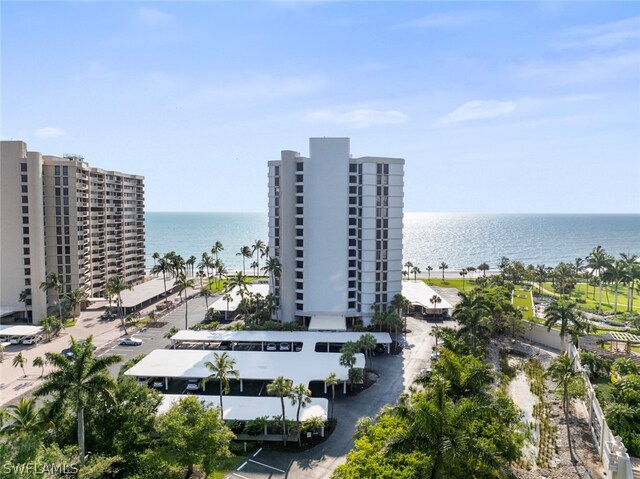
(222, 368)
(435, 300)
(258, 248)
(332, 381)
(156, 257)
(443, 266)
(631, 275)
(429, 270)
(200, 275)
(38, 362)
(25, 418)
(220, 270)
(191, 262)
(484, 267)
(238, 281)
(217, 248)
(77, 381)
(53, 283)
(463, 273)
(274, 269)
(19, 361)
(206, 263)
(561, 370)
(473, 314)
(163, 267)
(408, 265)
(541, 272)
(245, 252)
(368, 343)
(281, 387)
(23, 298)
(415, 271)
(228, 298)
(300, 395)
(348, 358)
(75, 298)
(116, 285)
(182, 284)
(562, 312)
(255, 267)
(614, 274)
(598, 260)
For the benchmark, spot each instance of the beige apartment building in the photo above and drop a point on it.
(60, 215)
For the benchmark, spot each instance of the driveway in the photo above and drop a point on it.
(396, 375)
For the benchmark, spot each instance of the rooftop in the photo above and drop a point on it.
(419, 293)
(246, 408)
(300, 367)
(19, 330)
(311, 337)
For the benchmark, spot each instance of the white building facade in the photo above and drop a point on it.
(335, 223)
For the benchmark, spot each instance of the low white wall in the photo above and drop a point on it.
(538, 333)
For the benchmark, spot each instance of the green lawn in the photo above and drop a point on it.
(449, 283)
(591, 300)
(215, 286)
(523, 301)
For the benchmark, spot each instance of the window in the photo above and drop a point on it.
(352, 210)
(27, 282)
(25, 210)
(352, 263)
(300, 243)
(23, 167)
(276, 170)
(26, 251)
(299, 210)
(353, 190)
(353, 168)
(27, 271)
(352, 295)
(299, 275)
(353, 179)
(57, 170)
(27, 262)
(25, 220)
(299, 178)
(299, 221)
(65, 171)
(298, 307)
(299, 232)
(299, 200)
(299, 264)
(23, 178)
(299, 189)
(299, 253)
(352, 242)
(25, 199)
(299, 166)
(352, 252)
(352, 305)
(25, 230)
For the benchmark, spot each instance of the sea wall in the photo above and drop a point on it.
(538, 333)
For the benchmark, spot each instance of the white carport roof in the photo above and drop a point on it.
(217, 335)
(19, 330)
(419, 293)
(327, 323)
(300, 367)
(246, 408)
(255, 288)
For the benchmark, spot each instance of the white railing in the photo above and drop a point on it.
(612, 451)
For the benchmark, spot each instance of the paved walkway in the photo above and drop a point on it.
(14, 384)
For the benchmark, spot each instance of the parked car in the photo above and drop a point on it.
(272, 347)
(3, 339)
(69, 353)
(131, 342)
(158, 383)
(225, 345)
(297, 347)
(435, 355)
(32, 340)
(15, 340)
(143, 380)
(193, 384)
(381, 348)
(285, 347)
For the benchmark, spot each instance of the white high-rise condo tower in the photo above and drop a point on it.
(335, 223)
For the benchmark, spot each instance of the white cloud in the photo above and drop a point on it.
(359, 118)
(259, 89)
(50, 132)
(479, 110)
(604, 36)
(449, 20)
(152, 16)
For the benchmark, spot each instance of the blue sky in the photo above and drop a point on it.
(496, 107)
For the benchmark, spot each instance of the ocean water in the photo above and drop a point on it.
(458, 239)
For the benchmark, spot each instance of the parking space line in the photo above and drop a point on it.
(239, 475)
(241, 466)
(267, 465)
(257, 452)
